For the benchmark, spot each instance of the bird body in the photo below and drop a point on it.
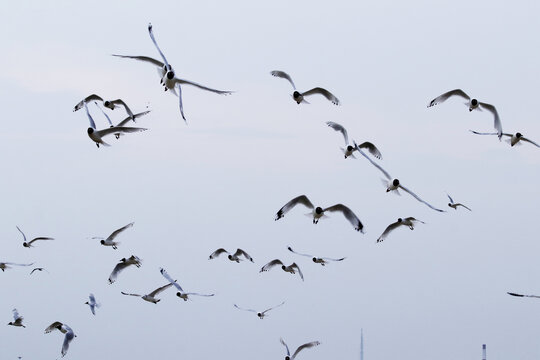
(317, 260)
(291, 269)
(122, 264)
(151, 297)
(109, 241)
(17, 319)
(92, 303)
(260, 314)
(300, 348)
(65, 329)
(180, 293)
(28, 244)
(409, 222)
(299, 96)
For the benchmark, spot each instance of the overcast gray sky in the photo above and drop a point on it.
(438, 291)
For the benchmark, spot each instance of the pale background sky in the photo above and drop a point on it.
(436, 292)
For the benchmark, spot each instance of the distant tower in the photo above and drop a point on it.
(484, 352)
(362, 344)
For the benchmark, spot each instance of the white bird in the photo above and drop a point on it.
(234, 257)
(514, 139)
(318, 212)
(520, 295)
(89, 98)
(300, 348)
(349, 149)
(394, 184)
(123, 122)
(317, 260)
(260, 314)
(454, 205)
(28, 244)
(409, 221)
(111, 104)
(97, 135)
(110, 240)
(292, 269)
(151, 297)
(298, 96)
(6, 265)
(57, 325)
(124, 263)
(180, 293)
(92, 303)
(17, 319)
(472, 104)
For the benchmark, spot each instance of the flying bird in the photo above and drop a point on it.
(349, 149)
(520, 295)
(110, 240)
(92, 303)
(409, 221)
(318, 212)
(298, 96)
(454, 205)
(260, 314)
(89, 98)
(472, 104)
(514, 139)
(180, 293)
(28, 244)
(37, 269)
(64, 329)
(124, 263)
(17, 319)
(300, 348)
(234, 257)
(394, 184)
(151, 297)
(292, 269)
(7, 265)
(317, 260)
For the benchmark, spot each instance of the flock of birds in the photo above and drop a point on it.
(368, 150)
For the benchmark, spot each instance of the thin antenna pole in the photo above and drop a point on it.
(362, 344)
(484, 352)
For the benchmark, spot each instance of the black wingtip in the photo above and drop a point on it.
(514, 294)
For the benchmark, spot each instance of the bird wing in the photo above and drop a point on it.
(238, 307)
(67, 339)
(192, 293)
(331, 259)
(24, 236)
(349, 215)
(417, 198)
(202, 87)
(338, 127)
(297, 253)
(286, 347)
(54, 326)
(481, 133)
(410, 218)
(131, 118)
(460, 204)
(92, 298)
(442, 98)
(327, 94)
(9, 263)
(387, 231)
(180, 102)
(302, 199)
(386, 174)
(160, 289)
(284, 75)
(122, 103)
(86, 99)
(520, 295)
(169, 278)
(142, 58)
(242, 252)
(371, 148)
(157, 47)
(496, 120)
(39, 238)
(92, 123)
(104, 113)
(120, 130)
(529, 141)
(265, 311)
(116, 232)
(293, 265)
(450, 198)
(129, 294)
(117, 269)
(305, 346)
(271, 264)
(16, 315)
(218, 252)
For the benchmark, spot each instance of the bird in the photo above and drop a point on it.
(520, 295)
(180, 293)
(409, 221)
(151, 297)
(37, 269)
(318, 212)
(293, 268)
(17, 319)
(260, 314)
(97, 135)
(122, 264)
(298, 96)
(65, 329)
(28, 244)
(89, 98)
(234, 257)
(5, 265)
(394, 184)
(317, 260)
(454, 205)
(349, 149)
(300, 348)
(123, 122)
(111, 104)
(110, 240)
(472, 104)
(514, 139)
(92, 303)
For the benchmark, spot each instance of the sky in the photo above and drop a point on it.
(438, 291)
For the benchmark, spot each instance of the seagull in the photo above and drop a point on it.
(454, 205)
(317, 260)
(300, 348)
(124, 263)
(110, 240)
(298, 96)
(89, 98)
(123, 122)
(92, 303)
(290, 269)
(151, 297)
(318, 212)
(57, 325)
(37, 269)
(111, 104)
(410, 221)
(349, 149)
(514, 138)
(17, 319)
(180, 293)
(260, 314)
(394, 184)
(472, 104)
(97, 135)
(234, 257)
(4, 265)
(29, 243)
(520, 295)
